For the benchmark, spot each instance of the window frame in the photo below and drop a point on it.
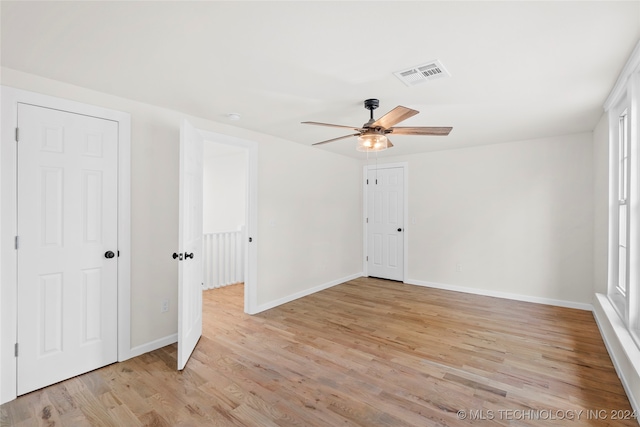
(624, 202)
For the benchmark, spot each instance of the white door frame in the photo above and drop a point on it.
(406, 228)
(251, 215)
(11, 97)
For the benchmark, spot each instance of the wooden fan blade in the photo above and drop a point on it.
(394, 116)
(441, 131)
(330, 125)
(336, 139)
(389, 144)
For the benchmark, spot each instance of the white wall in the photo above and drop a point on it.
(224, 189)
(601, 205)
(312, 195)
(312, 200)
(518, 217)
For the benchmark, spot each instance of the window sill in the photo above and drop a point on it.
(622, 348)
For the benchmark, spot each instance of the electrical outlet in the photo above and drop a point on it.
(165, 306)
(458, 268)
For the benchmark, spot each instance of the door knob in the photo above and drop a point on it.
(109, 254)
(399, 229)
(188, 255)
(179, 256)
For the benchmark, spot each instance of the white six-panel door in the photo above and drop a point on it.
(385, 223)
(190, 270)
(67, 222)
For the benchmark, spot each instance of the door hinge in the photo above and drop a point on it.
(367, 257)
(367, 182)
(17, 242)
(367, 220)
(17, 134)
(15, 350)
(376, 181)
(250, 239)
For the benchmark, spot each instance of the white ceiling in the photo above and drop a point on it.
(519, 70)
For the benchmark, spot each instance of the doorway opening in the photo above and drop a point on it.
(190, 224)
(230, 213)
(224, 214)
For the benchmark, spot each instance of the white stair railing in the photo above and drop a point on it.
(223, 258)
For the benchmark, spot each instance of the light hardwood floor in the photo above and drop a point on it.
(369, 353)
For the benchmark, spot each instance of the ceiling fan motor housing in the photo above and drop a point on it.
(371, 104)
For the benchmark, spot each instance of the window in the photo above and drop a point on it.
(624, 203)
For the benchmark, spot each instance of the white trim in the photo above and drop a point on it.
(365, 263)
(620, 88)
(406, 228)
(153, 345)
(613, 202)
(251, 218)
(124, 237)
(608, 319)
(305, 293)
(503, 295)
(633, 285)
(8, 295)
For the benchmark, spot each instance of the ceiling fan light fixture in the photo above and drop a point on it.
(372, 142)
(372, 135)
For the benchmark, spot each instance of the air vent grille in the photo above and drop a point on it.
(432, 70)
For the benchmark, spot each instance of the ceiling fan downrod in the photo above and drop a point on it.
(371, 104)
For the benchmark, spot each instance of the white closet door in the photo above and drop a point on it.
(67, 225)
(385, 226)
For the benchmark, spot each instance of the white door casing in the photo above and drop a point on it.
(385, 222)
(67, 221)
(190, 274)
(10, 100)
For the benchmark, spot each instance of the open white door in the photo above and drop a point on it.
(190, 243)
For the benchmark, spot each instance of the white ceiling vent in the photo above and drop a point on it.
(422, 73)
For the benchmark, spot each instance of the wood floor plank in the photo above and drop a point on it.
(368, 352)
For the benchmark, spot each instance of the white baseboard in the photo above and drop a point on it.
(623, 351)
(153, 345)
(505, 295)
(289, 298)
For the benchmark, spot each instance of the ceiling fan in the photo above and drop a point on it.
(372, 136)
